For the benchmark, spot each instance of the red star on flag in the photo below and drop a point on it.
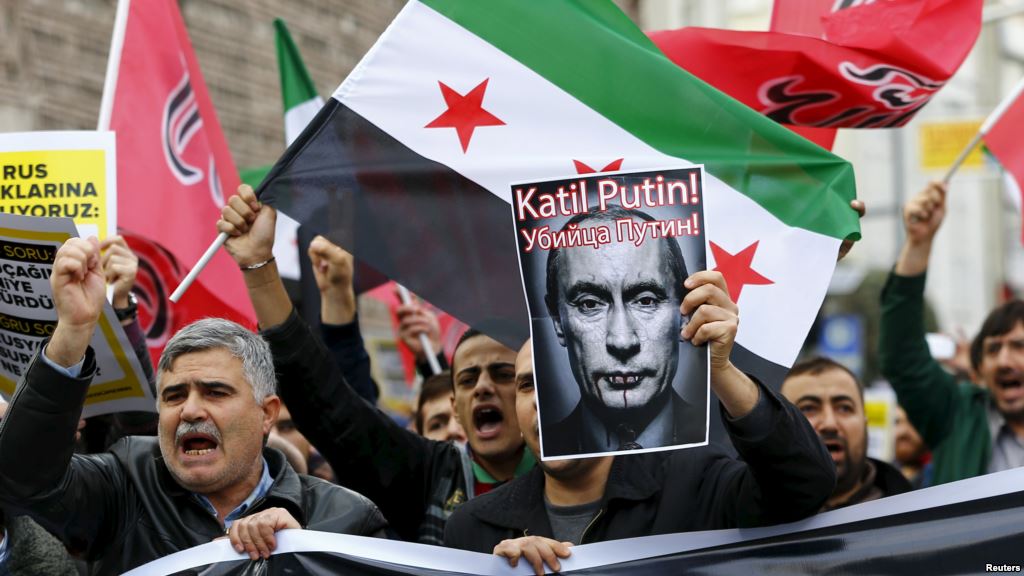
(465, 113)
(736, 269)
(612, 166)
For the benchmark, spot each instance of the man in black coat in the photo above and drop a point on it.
(207, 473)
(832, 399)
(785, 473)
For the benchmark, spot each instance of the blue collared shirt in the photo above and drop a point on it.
(72, 371)
(258, 492)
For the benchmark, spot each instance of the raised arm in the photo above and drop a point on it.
(925, 390)
(333, 268)
(367, 450)
(120, 266)
(250, 229)
(72, 497)
(785, 474)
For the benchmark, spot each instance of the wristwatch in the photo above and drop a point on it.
(130, 312)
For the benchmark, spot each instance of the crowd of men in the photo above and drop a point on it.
(260, 432)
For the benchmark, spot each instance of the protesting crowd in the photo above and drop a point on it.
(241, 416)
(621, 400)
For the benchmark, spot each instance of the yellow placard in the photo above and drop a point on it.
(941, 142)
(56, 183)
(877, 413)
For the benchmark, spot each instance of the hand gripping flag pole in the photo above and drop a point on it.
(989, 123)
(403, 294)
(428, 348)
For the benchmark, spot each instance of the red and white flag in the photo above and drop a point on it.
(835, 63)
(173, 164)
(1001, 133)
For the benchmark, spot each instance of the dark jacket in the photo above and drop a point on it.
(122, 508)
(785, 474)
(567, 436)
(881, 479)
(32, 551)
(950, 415)
(416, 482)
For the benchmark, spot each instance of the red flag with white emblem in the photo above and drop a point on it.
(835, 63)
(1002, 138)
(173, 164)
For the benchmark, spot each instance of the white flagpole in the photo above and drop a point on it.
(113, 64)
(203, 261)
(985, 127)
(428, 348)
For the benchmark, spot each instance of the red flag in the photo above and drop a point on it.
(874, 66)
(1002, 136)
(801, 17)
(173, 164)
(804, 17)
(159, 273)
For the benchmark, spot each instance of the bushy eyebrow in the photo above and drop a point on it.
(206, 385)
(584, 287)
(634, 290)
(808, 398)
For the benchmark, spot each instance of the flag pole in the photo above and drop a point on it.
(110, 80)
(962, 157)
(203, 261)
(428, 348)
(985, 127)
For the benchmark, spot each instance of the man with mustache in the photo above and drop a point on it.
(207, 473)
(971, 430)
(832, 399)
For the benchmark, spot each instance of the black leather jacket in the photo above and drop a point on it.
(416, 482)
(785, 474)
(122, 508)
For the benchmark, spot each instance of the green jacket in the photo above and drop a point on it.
(951, 416)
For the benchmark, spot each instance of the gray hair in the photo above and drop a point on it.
(213, 333)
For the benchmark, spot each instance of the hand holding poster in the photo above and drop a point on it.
(28, 316)
(603, 260)
(61, 175)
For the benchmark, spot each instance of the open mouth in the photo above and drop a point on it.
(198, 444)
(835, 448)
(1010, 383)
(487, 420)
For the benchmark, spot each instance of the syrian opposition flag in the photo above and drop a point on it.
(835, 63)
(408, 165)
(1001, 133)
(173, 164)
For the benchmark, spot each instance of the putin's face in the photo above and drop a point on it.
(618, 318)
